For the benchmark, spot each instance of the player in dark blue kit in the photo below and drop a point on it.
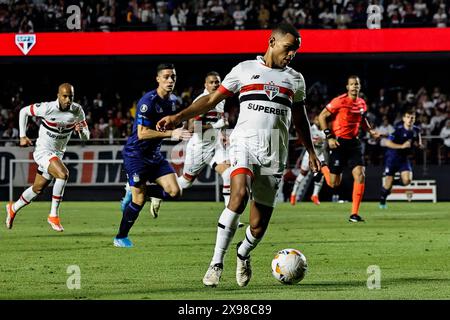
(142, 158)
(399, 145)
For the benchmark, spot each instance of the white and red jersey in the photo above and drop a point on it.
(266, 97)
(56, 126)
(212, 116)
(318, 138)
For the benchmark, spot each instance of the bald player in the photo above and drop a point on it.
(59, 119)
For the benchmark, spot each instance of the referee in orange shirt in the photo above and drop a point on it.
(346, 114)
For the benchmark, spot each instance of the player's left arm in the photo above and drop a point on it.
(81, 127)
(303, 128)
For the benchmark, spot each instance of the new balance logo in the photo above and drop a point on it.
(255, 76)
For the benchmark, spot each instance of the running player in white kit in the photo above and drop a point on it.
(258, 144)
(59, 119)
(206, 146)
(318, 138)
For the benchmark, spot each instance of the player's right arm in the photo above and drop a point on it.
(201, 106)
(331, 139)
(24, 113)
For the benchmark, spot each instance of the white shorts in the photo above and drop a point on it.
(220, 155)
(305, 161)
(264, 186)
(198, 156)
(43, 159)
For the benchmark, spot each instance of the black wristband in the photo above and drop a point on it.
(328, 134)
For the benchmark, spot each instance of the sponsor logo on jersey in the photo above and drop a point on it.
(25, 42)
(267, 109)
(158, 108)
(271, 90)
(144, 108)
(255, 76)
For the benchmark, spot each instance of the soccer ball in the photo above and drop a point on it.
(289, 266)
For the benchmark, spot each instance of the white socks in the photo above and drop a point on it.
(25, 198)
(249, 243)
(58, 191)
(317, 187)
(184, 183)
(226, 229)
(226, 185)
(298, 180)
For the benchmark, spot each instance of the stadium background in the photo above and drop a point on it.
(107, 84)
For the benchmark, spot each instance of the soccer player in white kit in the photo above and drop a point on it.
(59, 119)
(258, 144)
(318, 138)
(206, 146)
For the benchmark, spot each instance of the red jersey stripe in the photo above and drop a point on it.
(260, 86)
(32, 110)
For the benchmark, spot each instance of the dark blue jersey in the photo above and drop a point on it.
(400, 136)
(150, 109)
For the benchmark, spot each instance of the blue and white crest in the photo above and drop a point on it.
(25, 42)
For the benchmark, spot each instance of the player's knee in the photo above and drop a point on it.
(38, 189)
(62, 174)
(174, 192)
(406, 182)
(238, 200)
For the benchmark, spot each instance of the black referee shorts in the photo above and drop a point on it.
(348, 153)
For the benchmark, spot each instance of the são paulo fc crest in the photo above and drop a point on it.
(60, 126)
(271, 90)
(25, 42)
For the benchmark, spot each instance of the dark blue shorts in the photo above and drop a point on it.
(139, 172)
(394, 164)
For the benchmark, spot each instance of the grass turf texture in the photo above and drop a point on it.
(409, 242)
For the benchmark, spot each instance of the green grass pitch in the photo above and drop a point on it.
(409, 242)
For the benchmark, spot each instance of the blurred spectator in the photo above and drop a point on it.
(174, 20)
(11, 133)
(263, 16)
(445, 136)
(162, 19)
(111, 132)
(239, 17)
(440, 18)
